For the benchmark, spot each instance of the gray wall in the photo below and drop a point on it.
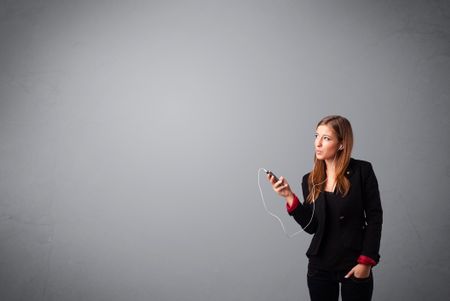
(131, 135)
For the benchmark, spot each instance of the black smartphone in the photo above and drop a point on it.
(271, 173)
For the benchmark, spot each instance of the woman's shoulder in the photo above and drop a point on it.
(359, 162)
(364, 166)
(305, 177)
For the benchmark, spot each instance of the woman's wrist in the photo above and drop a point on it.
(291, 204)
(290, 199)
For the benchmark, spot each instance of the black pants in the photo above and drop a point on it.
(324, 286)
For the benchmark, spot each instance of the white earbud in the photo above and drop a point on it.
(341, 147)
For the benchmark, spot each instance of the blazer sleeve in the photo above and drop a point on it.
(304, 212)
(373, 213)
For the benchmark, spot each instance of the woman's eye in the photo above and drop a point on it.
(326, 138)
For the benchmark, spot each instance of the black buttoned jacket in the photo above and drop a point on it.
(361, 215)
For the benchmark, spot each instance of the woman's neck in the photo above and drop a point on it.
(330, 167)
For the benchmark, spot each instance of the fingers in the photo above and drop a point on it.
(349, 274)
(361, 271)
(280, 183)
(280, 186)
(271, 178)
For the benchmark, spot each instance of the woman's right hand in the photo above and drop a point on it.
(281, 186)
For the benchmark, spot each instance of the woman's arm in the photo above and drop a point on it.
(303, 212)
(373, 212)
(303, 215)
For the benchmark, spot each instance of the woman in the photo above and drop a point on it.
(342, 209)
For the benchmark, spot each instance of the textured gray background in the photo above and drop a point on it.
(131, 135)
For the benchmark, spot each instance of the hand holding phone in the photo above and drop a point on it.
(280, 186)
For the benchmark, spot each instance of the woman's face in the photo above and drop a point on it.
(326, 143)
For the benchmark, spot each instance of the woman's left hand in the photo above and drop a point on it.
(359, 271)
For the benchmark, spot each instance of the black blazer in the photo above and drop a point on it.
(361, 214)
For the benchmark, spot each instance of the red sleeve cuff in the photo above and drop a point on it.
(294, 205)
(366, 260)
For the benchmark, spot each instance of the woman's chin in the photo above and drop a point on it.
(323, 157)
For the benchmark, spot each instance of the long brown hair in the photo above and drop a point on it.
(317, 177)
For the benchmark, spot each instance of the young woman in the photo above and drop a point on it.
(342, 209)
